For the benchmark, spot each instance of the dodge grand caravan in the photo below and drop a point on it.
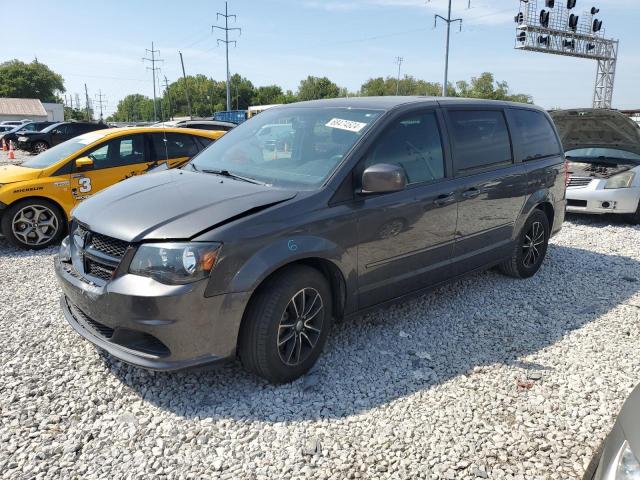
(254, 247)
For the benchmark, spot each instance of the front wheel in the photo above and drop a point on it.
(33, 224)
(530, 249)
(286, 324)
(40, 147)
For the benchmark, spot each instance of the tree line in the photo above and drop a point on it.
(207, 95)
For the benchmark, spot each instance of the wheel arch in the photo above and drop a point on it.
(540, 200)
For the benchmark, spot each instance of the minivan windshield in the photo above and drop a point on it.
(290, 147)
(61, 151)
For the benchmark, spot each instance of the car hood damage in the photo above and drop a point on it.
(598, 169)
(174, 205)
(596, 128)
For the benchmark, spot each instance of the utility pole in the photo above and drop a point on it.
(399, 61)
(226, 42)
(100, 102)
(166, 89)
(186, 86)
(153, 69)
(448, 21)
(86, 95)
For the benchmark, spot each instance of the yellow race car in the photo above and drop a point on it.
(36, 197)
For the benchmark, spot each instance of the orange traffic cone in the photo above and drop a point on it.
(4, 145)
(11, 154)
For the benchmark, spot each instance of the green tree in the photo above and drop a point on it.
(30, 80)
(485, 86)
(133, 108)
(314, 88)
(74, 113)
(267, 95)
(409, 85)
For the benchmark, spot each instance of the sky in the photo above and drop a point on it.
(283, 41)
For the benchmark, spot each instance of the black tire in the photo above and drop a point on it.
(40, 147)
(44, 235)
(269, 321)
(523, 264)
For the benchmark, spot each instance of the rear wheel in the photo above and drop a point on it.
(286, 324)
(33, 224)
(530, 249)
(40, 147)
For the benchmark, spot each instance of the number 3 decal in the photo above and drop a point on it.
(85, 184)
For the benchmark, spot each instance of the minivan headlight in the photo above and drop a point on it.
(621, 180)
(628, 466)
(175, 263)
(65, 250)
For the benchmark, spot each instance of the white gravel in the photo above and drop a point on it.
(20, 156)
(489, 377)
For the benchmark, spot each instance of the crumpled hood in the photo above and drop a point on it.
(175, 204)
(597, 128)
(15, 173)
(629, 420)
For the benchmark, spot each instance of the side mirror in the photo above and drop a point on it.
(84, 162)
(383, 178)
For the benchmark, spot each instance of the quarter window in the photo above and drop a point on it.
(537, 138)
(480, 138)
(173, 145)
(413, 143)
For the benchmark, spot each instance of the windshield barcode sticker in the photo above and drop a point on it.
(342, 124)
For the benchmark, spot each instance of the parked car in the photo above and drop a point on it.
(603, 149)
(207, 125)
(55, 134)
(15, 123)
(17, 131)
(5, 128)
(240, 252)
(37, 196)
(618, 458)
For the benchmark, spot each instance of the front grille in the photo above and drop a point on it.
(101, 254)
(98, 270)
(96, 327)
(107, 245)
(579, 181)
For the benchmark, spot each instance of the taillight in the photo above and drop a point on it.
(566, 173)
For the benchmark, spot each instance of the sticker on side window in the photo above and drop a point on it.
(348, 125)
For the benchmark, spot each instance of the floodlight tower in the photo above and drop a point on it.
(558, 29)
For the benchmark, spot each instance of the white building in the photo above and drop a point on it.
(30, 109)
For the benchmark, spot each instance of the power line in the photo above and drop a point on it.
(100, 102)
(153, 69)
(448, 21)
(226, 42)
(399, 61)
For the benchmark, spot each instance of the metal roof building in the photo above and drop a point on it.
(22, 108)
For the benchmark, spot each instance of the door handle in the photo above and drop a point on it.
(471, 193)
(444, 199)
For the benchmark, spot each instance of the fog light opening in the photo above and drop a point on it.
(606, 204)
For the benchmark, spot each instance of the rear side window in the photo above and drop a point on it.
(413, 143)
(536, 136)
(480, 138)
(173, 145)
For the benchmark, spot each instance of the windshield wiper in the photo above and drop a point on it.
(228, 174)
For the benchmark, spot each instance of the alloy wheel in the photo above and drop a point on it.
(40, 147)
(35, 225)
(300, 326)
(532, 244)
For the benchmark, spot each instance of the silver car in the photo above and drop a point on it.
(618, 457)
(603, 150)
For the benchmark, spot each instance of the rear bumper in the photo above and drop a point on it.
(152, 325)
(595, 199)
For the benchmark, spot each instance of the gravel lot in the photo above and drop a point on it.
(489, 377)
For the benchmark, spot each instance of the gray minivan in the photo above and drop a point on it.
(253, 250)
